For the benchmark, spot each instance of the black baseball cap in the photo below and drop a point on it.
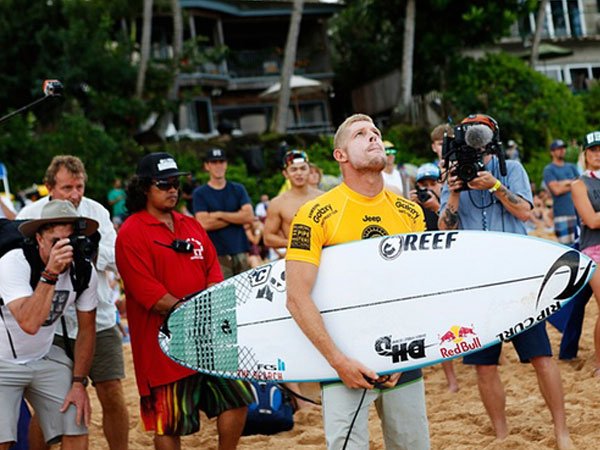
(158, 166)
(216, 154)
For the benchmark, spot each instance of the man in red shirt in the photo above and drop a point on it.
(163, 256)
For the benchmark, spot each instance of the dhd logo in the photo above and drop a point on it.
(400, 350)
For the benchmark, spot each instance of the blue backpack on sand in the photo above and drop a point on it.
(272, 410)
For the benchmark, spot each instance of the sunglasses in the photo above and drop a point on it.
(165, 185)
(294, 156)
(390, 151)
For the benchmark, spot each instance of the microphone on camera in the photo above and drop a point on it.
(478, 136)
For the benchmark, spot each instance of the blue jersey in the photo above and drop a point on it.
(231, 239)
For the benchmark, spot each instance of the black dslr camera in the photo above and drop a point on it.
(464, 152)
(84, 248)
(423, 194)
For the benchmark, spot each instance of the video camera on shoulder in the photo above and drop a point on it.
(475, 137)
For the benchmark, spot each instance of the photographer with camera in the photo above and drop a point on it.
(36, 287)
(486, 192)
(65, 179)
(427, 193)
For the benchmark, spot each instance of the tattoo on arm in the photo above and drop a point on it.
(450, 217)
(512, 198)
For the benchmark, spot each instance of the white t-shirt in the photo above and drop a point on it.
(8, 204)
(106, 316)
(14, 284)
(393, 180)
(260, 210)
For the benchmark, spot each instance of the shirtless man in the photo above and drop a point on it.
(282, 210)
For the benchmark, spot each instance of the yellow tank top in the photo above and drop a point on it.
(342, 215)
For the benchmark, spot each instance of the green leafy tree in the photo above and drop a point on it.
(367, 36)
(530, 108)
(591, 107)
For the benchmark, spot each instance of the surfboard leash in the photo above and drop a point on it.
(362, 399)
(297, 395)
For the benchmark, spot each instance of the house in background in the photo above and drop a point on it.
(569, 53)
(226, 94)
(570, 45)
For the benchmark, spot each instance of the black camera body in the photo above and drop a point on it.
(423, 194)
(465, 161)
(84, 248)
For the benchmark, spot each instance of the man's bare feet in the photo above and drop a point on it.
(564, 443)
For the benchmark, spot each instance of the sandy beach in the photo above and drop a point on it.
(457, 421)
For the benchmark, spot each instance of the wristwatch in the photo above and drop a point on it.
(82, 380)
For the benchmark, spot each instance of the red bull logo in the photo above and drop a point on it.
(457, 340)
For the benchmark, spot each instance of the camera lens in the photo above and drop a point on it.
(423, 195)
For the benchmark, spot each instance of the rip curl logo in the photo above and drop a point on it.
(373, 231)
(391, 247)
(571, 261)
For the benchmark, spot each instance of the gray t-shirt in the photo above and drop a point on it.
(481, 210)
(590, 237)
(562, 205)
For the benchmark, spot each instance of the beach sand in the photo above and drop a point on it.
(457, 421)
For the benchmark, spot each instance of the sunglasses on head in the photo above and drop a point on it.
(165, 185)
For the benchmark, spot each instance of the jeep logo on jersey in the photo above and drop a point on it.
(391, 247)
(401, 349)
(373, 231)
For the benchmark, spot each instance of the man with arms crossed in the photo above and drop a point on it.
(558, 176)
(400, 402)
(223, 208)
(497, 202)
(65, 179)
(29, 364)
(163, 256)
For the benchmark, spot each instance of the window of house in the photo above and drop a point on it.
(564, 18)
(198, 116)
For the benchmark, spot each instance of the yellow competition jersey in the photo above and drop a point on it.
(342, 215)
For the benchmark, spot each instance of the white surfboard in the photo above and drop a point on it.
(394, 303)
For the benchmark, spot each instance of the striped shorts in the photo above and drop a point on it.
(565, 228)
(174, 409)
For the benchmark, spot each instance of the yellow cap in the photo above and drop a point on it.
(42, 190)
